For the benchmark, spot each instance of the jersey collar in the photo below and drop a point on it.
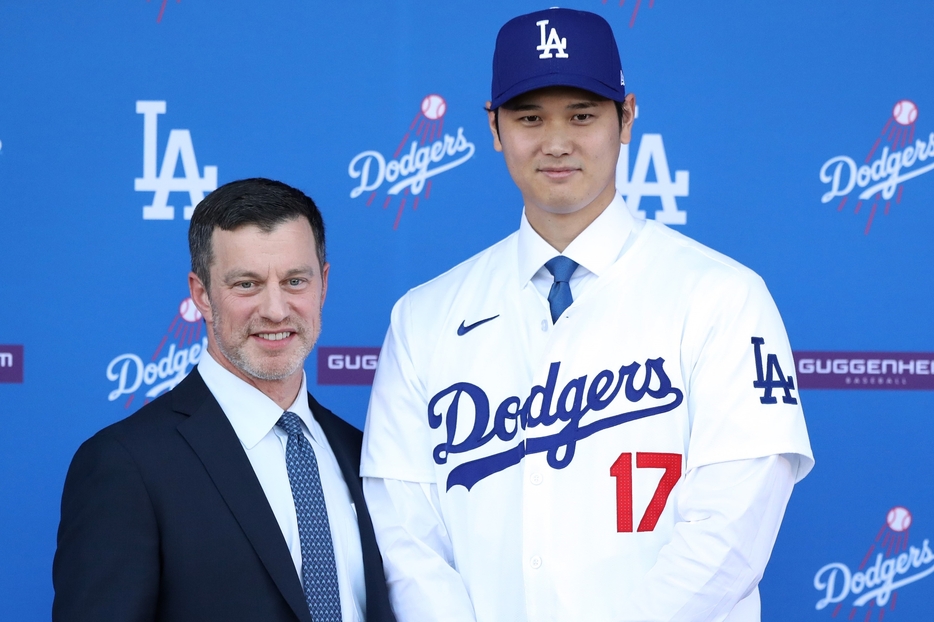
(596, 248)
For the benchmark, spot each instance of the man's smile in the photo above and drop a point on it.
(274, 336)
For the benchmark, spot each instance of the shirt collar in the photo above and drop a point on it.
(596, 248)
(251, 412)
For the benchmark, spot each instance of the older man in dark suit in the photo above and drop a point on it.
(235, 496)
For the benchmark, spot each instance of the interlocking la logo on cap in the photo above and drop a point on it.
(553, 43)
(556, 47)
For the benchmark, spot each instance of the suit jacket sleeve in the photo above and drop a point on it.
(107, 563)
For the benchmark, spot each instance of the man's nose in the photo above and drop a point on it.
(274, 305)
(556, 141)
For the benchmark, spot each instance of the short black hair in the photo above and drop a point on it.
(257, 201)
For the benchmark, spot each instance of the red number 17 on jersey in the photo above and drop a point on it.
(622, 471)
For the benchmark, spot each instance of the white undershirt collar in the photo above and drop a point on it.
(252, 413)
(595, 249)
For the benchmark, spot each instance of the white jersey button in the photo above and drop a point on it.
(544, 326)
(535, 562)
(536, 478)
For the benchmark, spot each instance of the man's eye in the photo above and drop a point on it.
(245, 285)
(531, 118)
(584, 116)
(295, 282)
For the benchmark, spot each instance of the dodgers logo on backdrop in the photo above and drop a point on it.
(464, 409)
(634, 187)
(179, 350)
(889, 565)
(430, 153)
(179, 146)
(879, 179)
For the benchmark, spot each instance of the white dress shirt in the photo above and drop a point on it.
(597, 248)
(253, 416)
(727, 513)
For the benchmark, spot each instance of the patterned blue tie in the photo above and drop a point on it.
(319, 570)
(559, 298)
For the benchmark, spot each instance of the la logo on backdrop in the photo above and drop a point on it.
(635, 186)
(178, 351)
(878, 180)
(890, 564)
(409, 171)
(179, 146)
(651, 153)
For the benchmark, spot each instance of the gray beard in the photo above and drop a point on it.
(239, 360)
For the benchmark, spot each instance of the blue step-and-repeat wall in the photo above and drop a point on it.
(796, 137)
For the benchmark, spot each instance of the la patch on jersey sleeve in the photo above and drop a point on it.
(741, 389)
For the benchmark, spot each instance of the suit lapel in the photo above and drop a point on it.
(210, 435)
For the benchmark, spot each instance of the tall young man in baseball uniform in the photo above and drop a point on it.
(593, 419)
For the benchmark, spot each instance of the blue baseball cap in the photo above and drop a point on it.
(556, 47)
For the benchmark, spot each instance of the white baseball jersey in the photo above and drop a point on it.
(558, 449)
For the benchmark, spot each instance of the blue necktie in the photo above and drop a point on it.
(319, 570)
(559, 298)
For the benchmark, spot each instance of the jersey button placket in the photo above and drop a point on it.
(537, 532)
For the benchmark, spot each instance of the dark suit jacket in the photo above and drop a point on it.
(163, 518)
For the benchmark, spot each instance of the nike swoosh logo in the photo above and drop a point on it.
(463, 330)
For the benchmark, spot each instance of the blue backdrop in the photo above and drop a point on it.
(796, 137)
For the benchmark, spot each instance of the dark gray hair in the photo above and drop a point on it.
(257, 201)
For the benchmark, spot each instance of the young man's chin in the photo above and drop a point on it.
(563, 205)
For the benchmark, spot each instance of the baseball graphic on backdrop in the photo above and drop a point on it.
(189, 311)
(905, 112)
(898, 519)
(433, 107)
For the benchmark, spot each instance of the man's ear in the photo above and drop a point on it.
(491, 114)
(199, 295)
(629, 115)
(324, 282)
